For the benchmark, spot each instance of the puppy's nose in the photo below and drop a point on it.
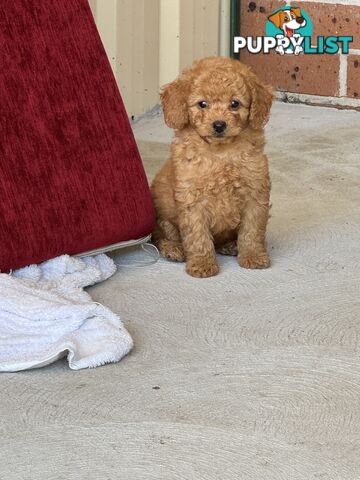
(300, 19)
(219, 126)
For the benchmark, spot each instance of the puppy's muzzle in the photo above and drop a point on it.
(219, 126)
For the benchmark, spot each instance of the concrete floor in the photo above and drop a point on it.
(248, 375)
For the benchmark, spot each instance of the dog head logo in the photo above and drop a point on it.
(289, 23)
(288, 20)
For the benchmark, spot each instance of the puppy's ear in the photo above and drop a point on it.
(261, 101)
(276, 19)
(297, 11)
(174, 102)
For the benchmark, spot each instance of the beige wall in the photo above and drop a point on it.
(148, 42)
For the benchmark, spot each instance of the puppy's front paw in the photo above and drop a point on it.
(254, 260)
(172, 250)
(202, 266)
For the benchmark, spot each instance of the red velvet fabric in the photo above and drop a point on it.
(71, 178)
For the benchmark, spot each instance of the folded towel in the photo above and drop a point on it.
(45, 314)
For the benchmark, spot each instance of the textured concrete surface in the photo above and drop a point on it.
(247, 375)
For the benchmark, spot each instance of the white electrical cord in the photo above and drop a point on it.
(150, 250)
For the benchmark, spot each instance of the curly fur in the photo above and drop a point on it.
(213, 192)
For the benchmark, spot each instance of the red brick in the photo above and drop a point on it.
(353, 89)
(312, 74)
(327, 19)
(253, 15)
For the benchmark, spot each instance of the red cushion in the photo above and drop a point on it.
(71, 178)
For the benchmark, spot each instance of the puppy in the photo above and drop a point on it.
(213, 192)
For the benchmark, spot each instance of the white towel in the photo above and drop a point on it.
(45, 314)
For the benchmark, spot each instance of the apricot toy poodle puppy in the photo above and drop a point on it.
(213, 193)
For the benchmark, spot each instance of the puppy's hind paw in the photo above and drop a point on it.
(202, 266)
(172, 250)
(229, 248)
(254, 260)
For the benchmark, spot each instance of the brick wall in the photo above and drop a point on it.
(314, 79)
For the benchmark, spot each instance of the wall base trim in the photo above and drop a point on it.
(317, 100)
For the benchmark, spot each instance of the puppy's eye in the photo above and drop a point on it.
(235, 104)
(203, 104)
